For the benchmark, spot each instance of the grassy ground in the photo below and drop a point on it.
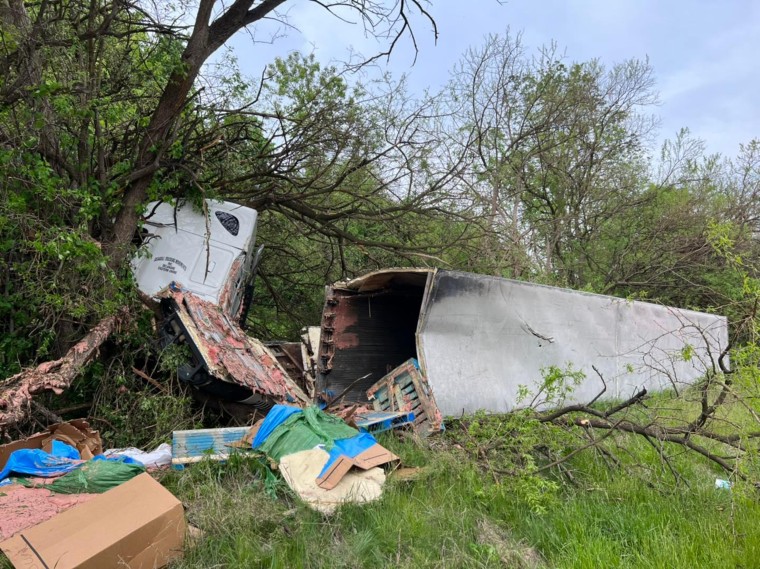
(462, 510)
(456, 515)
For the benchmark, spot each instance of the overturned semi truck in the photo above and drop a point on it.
(470, 341)
(478, 339)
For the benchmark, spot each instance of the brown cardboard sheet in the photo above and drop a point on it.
(76, 433)
(370, 458)
(138, 525)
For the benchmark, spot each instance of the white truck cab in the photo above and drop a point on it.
(211, 255)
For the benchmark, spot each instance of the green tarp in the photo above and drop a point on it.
(304, 431)
(95, 477)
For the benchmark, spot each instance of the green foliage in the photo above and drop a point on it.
(556, 384)
(54, 276)
(508, 445)
(128, 415)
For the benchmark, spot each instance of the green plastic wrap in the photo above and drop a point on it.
(95, 477)
(303, 431)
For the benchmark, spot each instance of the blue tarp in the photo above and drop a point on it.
(63, 458)
(276, 417)
(36, 462)
(351, 448)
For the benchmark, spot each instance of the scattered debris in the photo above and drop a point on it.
(349, 411)
(721, 484)
(291, 357)
(159, 457)
(61, 459)
(97, 476)
(361, 451)
(310, 443)
(138, 524)
(247, 441)
(300, 471)
(76, 433)
(379, 421)
(293, 430)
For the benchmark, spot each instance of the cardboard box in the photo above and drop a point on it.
(373, 456)
(76, 433)
(139, 525)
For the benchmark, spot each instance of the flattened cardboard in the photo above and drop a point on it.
(137, 525)
(247, 441)
(87, 442)
(76, 433)
(373, 456)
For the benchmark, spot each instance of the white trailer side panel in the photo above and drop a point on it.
(483, 337)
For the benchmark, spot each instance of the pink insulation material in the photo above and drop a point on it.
(233, 356)
(23, 507)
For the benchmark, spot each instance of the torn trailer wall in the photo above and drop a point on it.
(480, 338)
(225, 362)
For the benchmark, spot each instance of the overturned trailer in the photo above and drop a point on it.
(480, 339)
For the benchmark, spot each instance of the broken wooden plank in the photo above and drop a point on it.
(405, 389)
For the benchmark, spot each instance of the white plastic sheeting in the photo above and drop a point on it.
(158, 457)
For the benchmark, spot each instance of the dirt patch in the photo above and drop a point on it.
(511, 552)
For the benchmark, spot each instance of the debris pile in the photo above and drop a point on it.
(65, 504)
(396, 350)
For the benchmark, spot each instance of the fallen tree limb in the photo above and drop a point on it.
(664, 434)
(18, 390)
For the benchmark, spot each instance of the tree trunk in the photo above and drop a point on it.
(54, 376)
(155, 140)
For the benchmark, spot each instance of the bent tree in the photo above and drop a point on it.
(100, 111)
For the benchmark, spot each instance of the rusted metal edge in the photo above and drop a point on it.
(377, 280)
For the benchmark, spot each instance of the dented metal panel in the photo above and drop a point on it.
(229, 354)
(483, 337)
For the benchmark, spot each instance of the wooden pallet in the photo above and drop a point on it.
(406, 390)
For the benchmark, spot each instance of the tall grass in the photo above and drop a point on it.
(456, 515)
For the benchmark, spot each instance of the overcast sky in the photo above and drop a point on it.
(705, 53)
